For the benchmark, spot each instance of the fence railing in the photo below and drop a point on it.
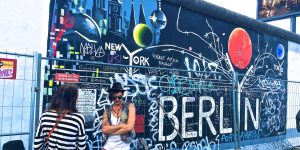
(175, 108)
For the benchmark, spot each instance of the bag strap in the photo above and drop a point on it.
(59, 119)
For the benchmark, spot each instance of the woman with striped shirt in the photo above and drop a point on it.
(61, 127)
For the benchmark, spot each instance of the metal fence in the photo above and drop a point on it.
(293, 106)
(147, 87)
(236, 111)
(17, 100)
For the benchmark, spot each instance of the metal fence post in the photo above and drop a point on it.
(35, 97)
(236, 120)
(37, 91)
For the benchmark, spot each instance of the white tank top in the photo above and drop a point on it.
(114, 142)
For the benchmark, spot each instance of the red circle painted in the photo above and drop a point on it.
(240, 48)
(69, 21)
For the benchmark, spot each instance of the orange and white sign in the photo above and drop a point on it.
(63, 77)
(8, 68)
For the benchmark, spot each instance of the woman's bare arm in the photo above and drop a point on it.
(107, 128)
(130, 122)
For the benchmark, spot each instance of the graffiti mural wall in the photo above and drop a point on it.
(151, 33)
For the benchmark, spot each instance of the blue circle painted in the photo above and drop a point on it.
(280, 51)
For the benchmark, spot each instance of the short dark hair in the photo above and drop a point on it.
(110, 94)
(65, 98)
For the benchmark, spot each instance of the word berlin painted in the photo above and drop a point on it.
(202, 115)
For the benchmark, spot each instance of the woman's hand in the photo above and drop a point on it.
(130, 122)
(109, 129)
(122, 124)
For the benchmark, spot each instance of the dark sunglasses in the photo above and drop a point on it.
(115, 97)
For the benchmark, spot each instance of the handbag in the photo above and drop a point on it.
(51, 131)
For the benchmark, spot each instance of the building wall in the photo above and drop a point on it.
(181, 39)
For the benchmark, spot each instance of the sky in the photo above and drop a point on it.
(248, 8)
(245, 7)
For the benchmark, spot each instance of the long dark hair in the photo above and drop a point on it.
(65, 98)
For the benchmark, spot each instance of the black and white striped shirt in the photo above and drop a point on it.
(69, 133)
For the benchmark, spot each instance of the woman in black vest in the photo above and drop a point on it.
(118, 121)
